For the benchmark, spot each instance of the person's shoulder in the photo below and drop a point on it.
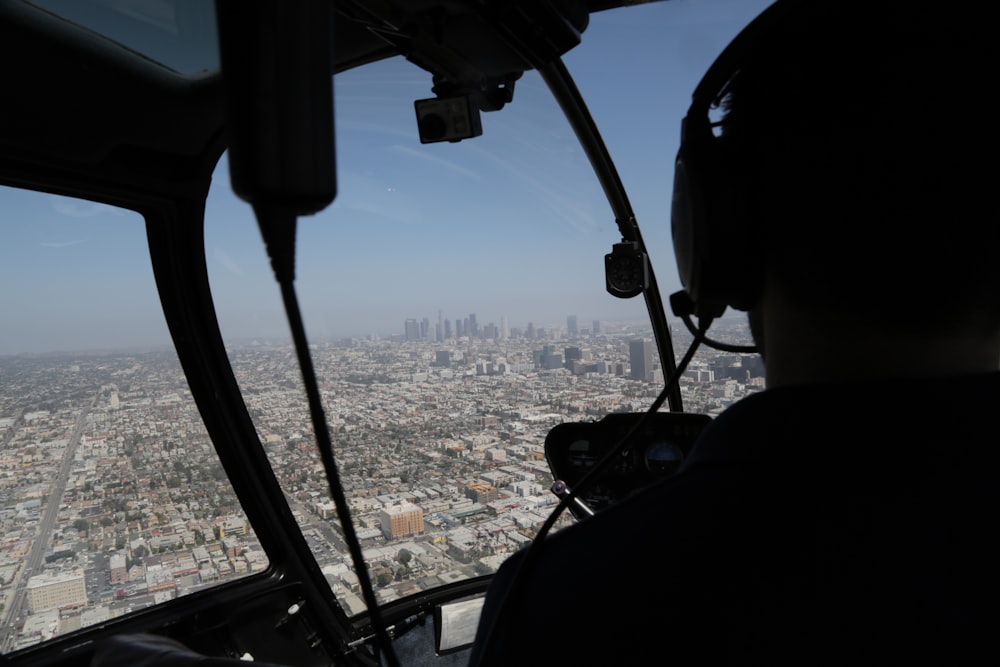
(960, 391)
(881, 411)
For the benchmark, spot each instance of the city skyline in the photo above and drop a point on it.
(470, 326)
(105, 459)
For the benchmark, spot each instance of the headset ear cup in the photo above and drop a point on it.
(717, 238)
(699, 243)
(683, 225)
(714, 239)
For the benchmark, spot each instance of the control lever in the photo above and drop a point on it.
(561, 489)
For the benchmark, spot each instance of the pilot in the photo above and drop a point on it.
(844, 514)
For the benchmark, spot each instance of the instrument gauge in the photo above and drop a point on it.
(663, 458)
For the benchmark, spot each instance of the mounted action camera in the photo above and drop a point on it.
(448, 119)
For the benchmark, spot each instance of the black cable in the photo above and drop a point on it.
(534, 548)
(277, 225)
(329, 463)
(718, 345)
(683, 307)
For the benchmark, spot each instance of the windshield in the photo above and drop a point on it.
(454, 299)
(112, 497)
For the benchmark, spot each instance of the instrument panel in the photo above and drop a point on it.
(655, 450)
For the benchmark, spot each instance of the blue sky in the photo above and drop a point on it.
(510, 224)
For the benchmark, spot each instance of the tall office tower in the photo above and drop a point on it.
(440, 323)
(530, 332)
(572, 355)
(438, 333)
(504, 331)
(459, 329)
(473, 327)
(596, 328)
(571, 329)
(447, 329)
(552, 361)
(640, 356)
(425, 328)
(490, 331)
(412, 329)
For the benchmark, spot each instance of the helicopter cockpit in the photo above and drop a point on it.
(313, 315)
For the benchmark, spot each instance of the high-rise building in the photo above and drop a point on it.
(504, 330)
(548, 358)
(595, 329)
(403, 520)
(571, 328)
(412, 329)
(640, 356)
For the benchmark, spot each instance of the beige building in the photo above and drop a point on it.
(402, 520)
(56, 591)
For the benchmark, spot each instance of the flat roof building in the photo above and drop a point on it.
(56, 591)
(402, 520)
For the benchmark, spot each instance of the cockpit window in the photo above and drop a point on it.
(454, 298)
(112, 498)
(455, 303)
(178, 35)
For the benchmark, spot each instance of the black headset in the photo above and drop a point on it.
(714, 236)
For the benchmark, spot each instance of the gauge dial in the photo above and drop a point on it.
(663, 457)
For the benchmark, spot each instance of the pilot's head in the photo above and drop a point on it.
(855, 169)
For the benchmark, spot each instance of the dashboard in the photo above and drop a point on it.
(618, 455)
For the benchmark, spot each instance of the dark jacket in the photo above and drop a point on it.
(836, 524)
